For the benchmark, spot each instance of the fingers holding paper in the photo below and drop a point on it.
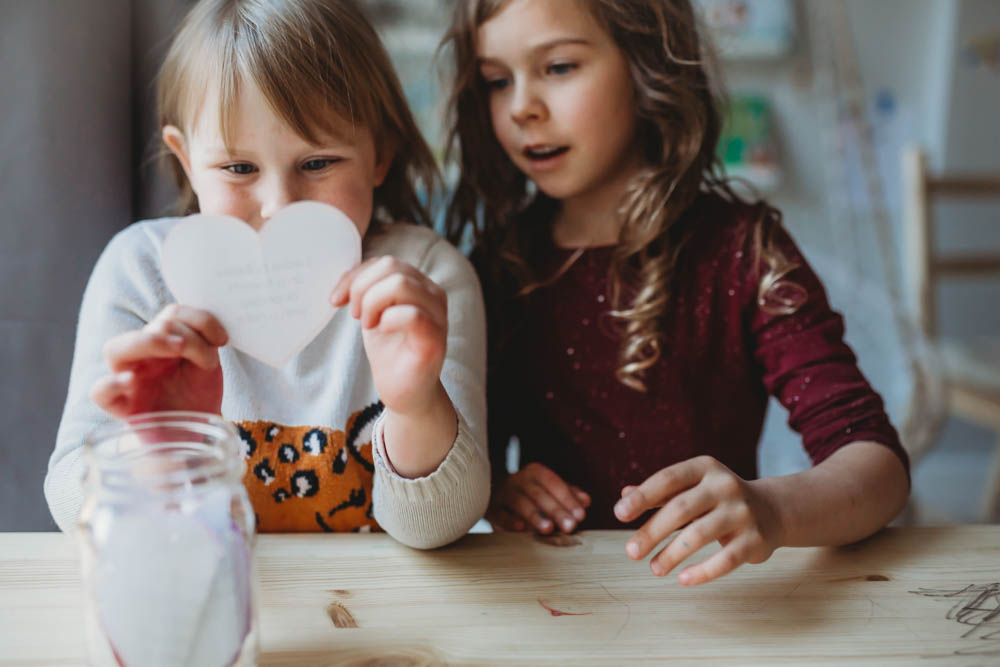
(404, 319)
(404, 325)
(172, 363)
(703, 501)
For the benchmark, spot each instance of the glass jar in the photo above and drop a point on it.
(166, 538)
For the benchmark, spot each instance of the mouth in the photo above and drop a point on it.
(539, 152)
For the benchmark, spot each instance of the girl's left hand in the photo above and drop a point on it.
(705, 501)
(404, 321)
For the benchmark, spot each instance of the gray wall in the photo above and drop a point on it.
(76, 117)
(65, 188)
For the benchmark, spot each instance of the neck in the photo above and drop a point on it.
(592, 218)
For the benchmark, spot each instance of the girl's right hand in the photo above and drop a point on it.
(172, 363)
(535, 497)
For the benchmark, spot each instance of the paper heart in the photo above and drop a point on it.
(269, 289)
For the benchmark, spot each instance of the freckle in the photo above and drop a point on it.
(604, 394)
(586, 427)
(586, 321)
(633, 466)
(576, 365)
(549, 395)
(621, 434)
(579, 422)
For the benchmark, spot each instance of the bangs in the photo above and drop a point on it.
(315, 90)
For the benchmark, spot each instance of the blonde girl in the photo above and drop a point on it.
(262, 104)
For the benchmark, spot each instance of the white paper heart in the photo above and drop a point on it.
(269, 289)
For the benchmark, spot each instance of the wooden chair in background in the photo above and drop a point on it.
(971, 368)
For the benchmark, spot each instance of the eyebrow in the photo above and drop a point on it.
(545, 46)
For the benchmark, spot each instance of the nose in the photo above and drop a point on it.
(275, 193)
(526, 104)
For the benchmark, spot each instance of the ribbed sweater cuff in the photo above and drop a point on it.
(439, 508)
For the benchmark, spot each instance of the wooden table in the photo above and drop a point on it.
(908, 596)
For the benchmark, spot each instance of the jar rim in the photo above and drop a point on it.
(114, 465)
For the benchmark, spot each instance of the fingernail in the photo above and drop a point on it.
(173, 340)
(545, 524)
(632, 549)
(578, 514)
(124, 377)
(568, 525)
(656, 568)
(684, 578)
(621, 510)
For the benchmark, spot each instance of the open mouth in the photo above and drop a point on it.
(544, 152)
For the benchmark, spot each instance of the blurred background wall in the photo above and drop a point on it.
(77, 167)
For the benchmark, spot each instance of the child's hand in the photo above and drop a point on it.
(535, 496)
(172, 363)
(705, 501)
(404, 321)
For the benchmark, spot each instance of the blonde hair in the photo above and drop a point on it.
(315, 61)
(670, 78)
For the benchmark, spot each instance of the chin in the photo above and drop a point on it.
(557, 190)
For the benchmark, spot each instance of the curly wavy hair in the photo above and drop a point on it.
(671, 70)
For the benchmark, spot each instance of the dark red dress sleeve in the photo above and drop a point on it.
(809, 368)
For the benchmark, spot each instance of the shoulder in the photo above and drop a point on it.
(423, 248)
(140, 242)
(717, 222)
(129, 269)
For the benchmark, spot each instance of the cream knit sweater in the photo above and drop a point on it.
(328, 381)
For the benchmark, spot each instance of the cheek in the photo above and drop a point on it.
(221, 199)
(500, 120)
(351, 195)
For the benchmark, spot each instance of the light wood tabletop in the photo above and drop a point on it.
(907, 596)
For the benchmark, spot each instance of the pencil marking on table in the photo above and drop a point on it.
(341, 617)
(556, 612)
(861, 577)
(559, 540)
(340, 592)
(628, 609)
(978, 606)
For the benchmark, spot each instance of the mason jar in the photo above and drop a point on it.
(166, 538)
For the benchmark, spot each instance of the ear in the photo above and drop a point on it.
(175, 141)
(383, 160)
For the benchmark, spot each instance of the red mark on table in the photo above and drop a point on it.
(556, 612)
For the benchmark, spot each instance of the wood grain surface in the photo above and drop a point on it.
(907, 596)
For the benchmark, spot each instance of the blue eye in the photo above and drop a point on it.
(497, 84)
(319, 163)
(240, 168)
(561, 68)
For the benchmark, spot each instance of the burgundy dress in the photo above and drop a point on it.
(552, 382)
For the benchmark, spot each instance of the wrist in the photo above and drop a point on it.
(775, 520)
(415, 443)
